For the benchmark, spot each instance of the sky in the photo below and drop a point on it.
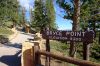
(63, 24)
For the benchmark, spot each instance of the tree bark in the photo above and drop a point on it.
(99, 37)
(76, 19)
(23, 17)
(76, 16)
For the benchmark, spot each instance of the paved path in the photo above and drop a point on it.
(10, 54)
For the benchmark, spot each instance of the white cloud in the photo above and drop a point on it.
(26, 4)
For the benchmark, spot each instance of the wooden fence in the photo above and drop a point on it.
(37, 55)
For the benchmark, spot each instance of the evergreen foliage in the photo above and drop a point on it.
(90, 14)
(43, 14)
(8, 10)
(50, 12)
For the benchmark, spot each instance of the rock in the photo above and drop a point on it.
(3, 39)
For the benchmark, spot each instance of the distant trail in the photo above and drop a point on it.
(10, 53)
(21, 37)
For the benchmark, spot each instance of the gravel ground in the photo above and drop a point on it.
(10, 54)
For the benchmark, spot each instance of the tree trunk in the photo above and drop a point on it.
(99, 37)
(76, 16)
(76, 19)
(94, 28)
(14, 24)
(23, 17)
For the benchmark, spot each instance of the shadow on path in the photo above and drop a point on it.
(15, 45)
(11, 60)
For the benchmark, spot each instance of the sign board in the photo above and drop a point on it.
(77, 36)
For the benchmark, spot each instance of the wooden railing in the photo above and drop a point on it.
(37, 53)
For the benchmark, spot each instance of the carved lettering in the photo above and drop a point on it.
(79, 34)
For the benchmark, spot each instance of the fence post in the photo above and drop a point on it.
(47, 62)
(36, 55)
(86, 51)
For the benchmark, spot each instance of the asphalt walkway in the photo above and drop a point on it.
(10, 54)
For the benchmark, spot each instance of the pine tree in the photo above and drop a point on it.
(90, 14)
(50, 12)
(43, 14)
(38, 21)
(72, 13)
(8, 10)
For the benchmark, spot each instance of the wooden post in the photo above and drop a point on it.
(87, 39)
(47, 45)
(36, 56)
(47, 62)
(86, 51)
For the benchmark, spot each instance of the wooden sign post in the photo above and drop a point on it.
(76, 36)
(47, 61)
(88, 38)
(86, 51)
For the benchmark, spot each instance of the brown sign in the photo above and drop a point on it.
(77, 36)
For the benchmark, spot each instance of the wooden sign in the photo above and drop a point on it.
(77, 36)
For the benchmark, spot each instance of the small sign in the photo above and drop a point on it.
(77, 36)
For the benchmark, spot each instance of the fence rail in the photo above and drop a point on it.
(67, 59)
(38, 52)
